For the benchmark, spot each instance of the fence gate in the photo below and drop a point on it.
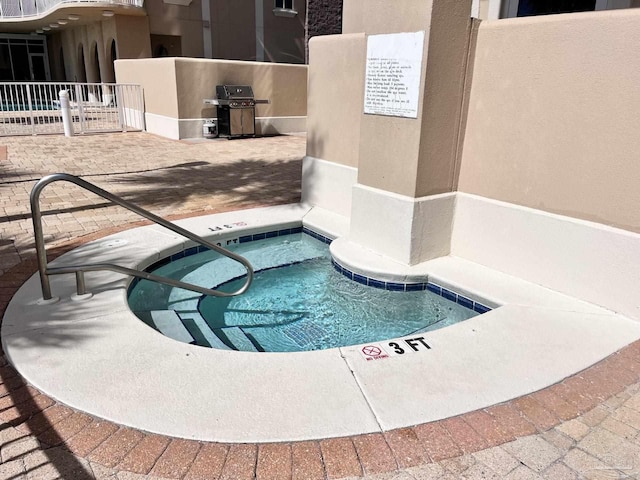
(34, 108)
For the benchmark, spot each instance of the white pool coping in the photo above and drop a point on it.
(96, 356)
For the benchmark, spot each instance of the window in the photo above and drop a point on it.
(284, 4)
(545, 7)
(284, 8)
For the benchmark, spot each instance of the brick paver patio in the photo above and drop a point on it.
(585, 427)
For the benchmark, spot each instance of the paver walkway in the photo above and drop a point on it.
(167, 177)
(585, 427)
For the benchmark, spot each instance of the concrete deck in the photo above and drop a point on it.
(586, 425)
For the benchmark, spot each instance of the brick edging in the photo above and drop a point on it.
(32, 413)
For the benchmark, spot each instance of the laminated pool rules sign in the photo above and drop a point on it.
(392, 82)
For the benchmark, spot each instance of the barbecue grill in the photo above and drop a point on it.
(236, 110)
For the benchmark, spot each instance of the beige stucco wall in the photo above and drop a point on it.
(158, 79)
(352, 16)
(412, 157)
(336, 91)
(284, 85)
(416, 157)
(380, 16)
(233, 29)
(184, 21)
(132, 36)
(553, 115)
(284, 36)
(441, 111)
(176, 87)
(234, 35)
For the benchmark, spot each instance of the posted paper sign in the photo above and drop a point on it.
(392, 81)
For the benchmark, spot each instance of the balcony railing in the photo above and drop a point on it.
(34, 8)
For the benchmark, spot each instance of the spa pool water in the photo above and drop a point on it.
(297, 301)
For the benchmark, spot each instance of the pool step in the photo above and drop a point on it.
(169, 324)
(236, 338)
(201, 331)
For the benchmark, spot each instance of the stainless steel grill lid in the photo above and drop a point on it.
(234, 92)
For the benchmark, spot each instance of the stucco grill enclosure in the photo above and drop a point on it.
(236, 110)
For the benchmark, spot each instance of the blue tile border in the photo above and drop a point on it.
(243, 239)
(362, 279)
(317, 236)
(270, 234)
(413, 287)
(449, 295)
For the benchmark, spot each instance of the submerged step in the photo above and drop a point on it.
(237, 338)
(201, 331)
(169, 323)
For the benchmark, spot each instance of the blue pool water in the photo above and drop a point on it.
(22, 107)
(297, 302)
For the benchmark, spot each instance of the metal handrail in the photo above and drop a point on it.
(79, 270)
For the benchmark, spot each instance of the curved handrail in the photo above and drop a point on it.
(41, 251)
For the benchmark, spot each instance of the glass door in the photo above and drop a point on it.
(38, 67)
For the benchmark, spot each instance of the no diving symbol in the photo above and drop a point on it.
(371, 351)
(398, 347)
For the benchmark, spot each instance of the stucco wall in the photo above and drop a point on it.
(416, 157)
(284, 85)
(412, 157)
(553, 116)
(233, 29)
(176, 87)
(132, 36)
(352, 16)
(158, 79)
(444, 83)
(284, 37)
(380, 16)
(178, 20)
(336, 91)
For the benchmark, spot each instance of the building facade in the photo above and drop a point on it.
(43, 40)
(60, 40)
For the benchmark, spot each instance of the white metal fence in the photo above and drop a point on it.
(34, 108)
(27, 8)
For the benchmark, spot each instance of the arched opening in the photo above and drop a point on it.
(109, 92)
(81, 72)
(112, 56)
(95, 65)
(160, 51)
(63, 68)
(94, 94)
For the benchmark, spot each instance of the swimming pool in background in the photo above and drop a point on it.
(298, 301)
